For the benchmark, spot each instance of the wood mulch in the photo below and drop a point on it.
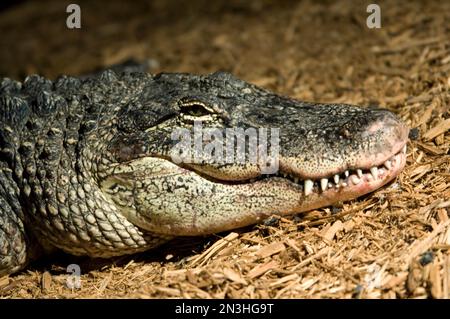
(394, 243)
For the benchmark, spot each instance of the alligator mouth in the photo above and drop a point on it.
(163, 197)
(347, 185)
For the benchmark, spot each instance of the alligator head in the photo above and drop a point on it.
(325, 153)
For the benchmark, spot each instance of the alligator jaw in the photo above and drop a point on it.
(347, 185)
(210, 206)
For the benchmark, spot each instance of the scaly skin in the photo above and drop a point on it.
(86, 165)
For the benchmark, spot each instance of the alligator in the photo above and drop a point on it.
(87, 164)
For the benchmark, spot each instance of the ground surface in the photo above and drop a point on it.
(394, 243)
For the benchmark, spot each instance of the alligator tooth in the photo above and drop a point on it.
(404, 149)
(346, 173)
(388, 164)
(308, 186)
(359, 172)
(330, 185)
(374, 172)
(296, 179)
(324, 183)
(344, 184)
(381, 171)
(355, 180)
(336, 179)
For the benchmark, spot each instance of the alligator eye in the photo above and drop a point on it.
(194, 108)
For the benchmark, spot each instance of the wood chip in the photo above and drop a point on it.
(427, 209)
(170, 291)
(307, 283)
(415, 277)
(309, 249)
(421, 246)
(442, 214)
(348, 226)
(408, 44)
(444, 204)
(439, 129)
(214, 249)
(46, 281)
(430, 149)
(424, 97)
(435, 281)
(426, 116)
(420, 170)
(319, 254)
(284, 279)
(331, 232)
(199, 293)
(291, 243)
(291, 286)
(396, 280)
(272, 249)
(191, 277)
(179, 274)
(446, 280)
(105, 283)
(262, 269)
(234, 276)
(4, 281)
